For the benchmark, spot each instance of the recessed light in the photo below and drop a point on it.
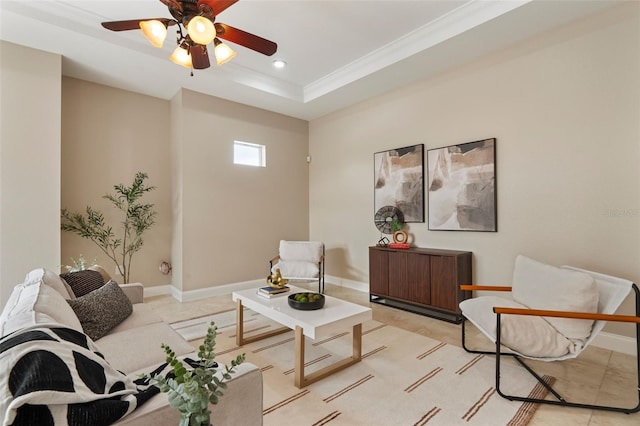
(279, 63)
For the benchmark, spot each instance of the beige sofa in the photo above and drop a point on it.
(132, 347)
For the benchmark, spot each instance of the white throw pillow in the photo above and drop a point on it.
(527, 335)
(9, 307)
(51, 279)
(535, 337)
(541, 286)
(37, 303)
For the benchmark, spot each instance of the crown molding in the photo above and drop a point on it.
(456, 22)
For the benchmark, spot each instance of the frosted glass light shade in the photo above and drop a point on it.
(223, 53)
(180, 56)
(201, 30)
(154, 31)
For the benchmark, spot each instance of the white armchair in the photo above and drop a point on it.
(300, 260)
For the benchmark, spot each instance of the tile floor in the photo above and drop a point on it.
(607, 376)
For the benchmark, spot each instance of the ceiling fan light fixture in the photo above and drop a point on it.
(196, 25)
(154, 31)
(182, 57)
(201, 30)
(223, 52)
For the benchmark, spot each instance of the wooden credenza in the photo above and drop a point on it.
(420, 280)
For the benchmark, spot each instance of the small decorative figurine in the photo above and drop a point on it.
(276, 280)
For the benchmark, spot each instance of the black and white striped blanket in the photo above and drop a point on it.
(53, 375)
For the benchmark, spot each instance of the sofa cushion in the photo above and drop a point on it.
(83, 282)
(102, 309)
(142, 346)
(51, 279)
(141, 315)
(541, 286)
(36, 303)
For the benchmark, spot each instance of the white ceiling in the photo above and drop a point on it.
(338, 52)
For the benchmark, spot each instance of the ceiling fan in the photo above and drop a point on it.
(195, 20)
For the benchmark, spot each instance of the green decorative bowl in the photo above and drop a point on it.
(306, 305)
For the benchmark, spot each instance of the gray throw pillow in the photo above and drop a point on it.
(102, 309)
(83, 282)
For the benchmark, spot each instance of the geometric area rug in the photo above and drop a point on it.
(403, 378)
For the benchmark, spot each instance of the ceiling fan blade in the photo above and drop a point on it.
(133, 24)
(215, 6)
(243, 38)
(199, 57)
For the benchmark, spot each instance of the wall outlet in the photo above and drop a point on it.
(117, 272)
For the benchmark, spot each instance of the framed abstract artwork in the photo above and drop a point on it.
(461, 187)
(399, 181)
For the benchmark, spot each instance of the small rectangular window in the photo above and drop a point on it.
(249, 154)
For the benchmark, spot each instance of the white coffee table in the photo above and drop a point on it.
(336, 316)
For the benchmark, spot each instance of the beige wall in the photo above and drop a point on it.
(107, 136)
(29, 163)
(232, 217)
(565, 109)
(217, 223)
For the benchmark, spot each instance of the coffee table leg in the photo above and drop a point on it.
(239, 322)
(356, 355)
(240, 339)
(357, 343)
(299, 362)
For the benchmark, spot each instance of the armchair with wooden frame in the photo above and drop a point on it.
(300, 261)
(525, 329)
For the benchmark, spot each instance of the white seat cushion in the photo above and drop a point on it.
(142, 315)
(541, 286)
(296, 269)
(142, 346)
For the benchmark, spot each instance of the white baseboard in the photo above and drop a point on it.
(344, 282)
(616, 343)
(157, 290)
(610, 341)
(187, 296)
(201, 293)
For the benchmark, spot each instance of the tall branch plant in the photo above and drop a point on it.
(138, 217)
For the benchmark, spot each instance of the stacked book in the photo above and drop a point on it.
(272, 291)
(399, 245)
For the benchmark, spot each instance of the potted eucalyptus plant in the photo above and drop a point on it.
(192, 387)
